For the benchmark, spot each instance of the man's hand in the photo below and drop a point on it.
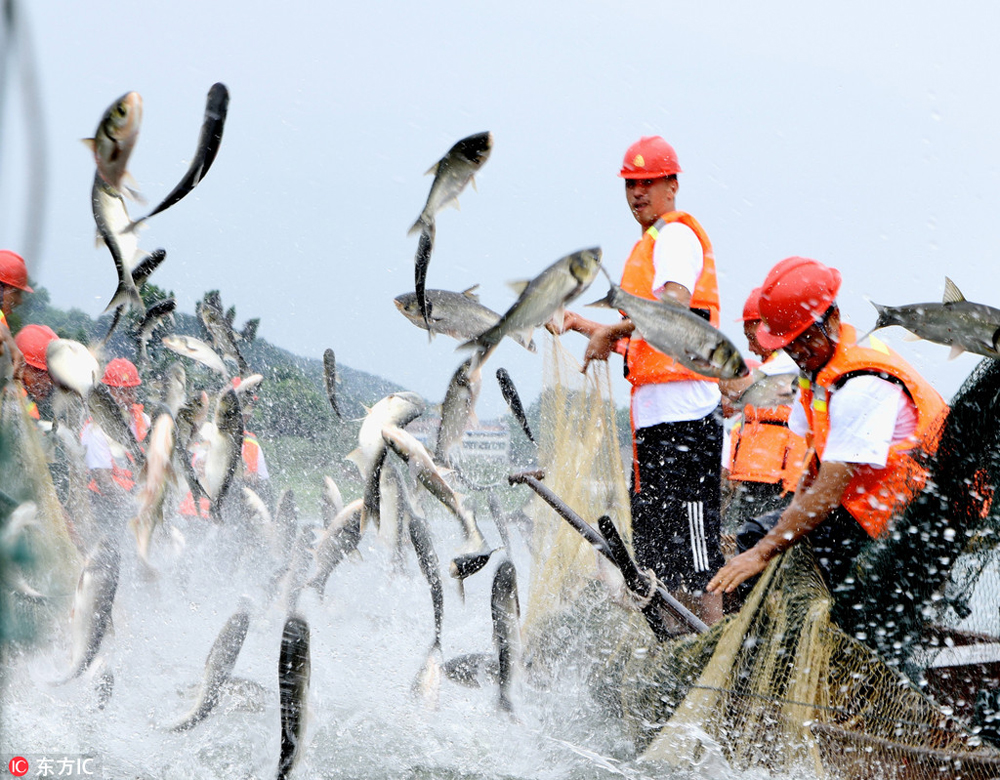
(601, 345)
(738, 570)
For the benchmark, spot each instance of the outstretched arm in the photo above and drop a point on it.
(810, 507)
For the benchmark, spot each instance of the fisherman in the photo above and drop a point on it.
(13, 283)
(113, 480)
(675, 413)
(872, 421)
(765, 459)
(255, 474)
(32, 341)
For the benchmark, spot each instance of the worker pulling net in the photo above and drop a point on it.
(800, 679)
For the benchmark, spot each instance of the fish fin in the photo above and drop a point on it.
(472, 181)
(602, 303)
(956, 350)
(454, 202)
(432, 169)
(355, 457)
(130, 188)
(559, 317)
(127, 295)
(421, 225)
(519, 285)
(90, 143)
(471, 293)
(951, 292)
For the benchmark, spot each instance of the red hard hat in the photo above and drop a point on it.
(32, 341)
(121, 373)
(797, 293)
(751, 309)
(13, 271)
(650, 158)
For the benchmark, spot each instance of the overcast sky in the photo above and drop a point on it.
(864, 136)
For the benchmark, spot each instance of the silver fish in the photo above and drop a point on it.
(157, 470)
(330, 380)
(218, 669)
(196, 349)
(427, 559)
(513, 400)
(92, 604)
(473, 670)
(769, 392)
(209, 141)
(112, 420)
(220, 329)
(293, 688)
(680, 333)
(451, 173)
(542, 297)
(225, 452)
(406, 446)
(506, 611)
(155, 316)
(115, 138)
(72, 366)
(955, 322)
(456, 314)
(396, 409)
(111, 218)
(457, 408)
(332, 503)
(339, 539)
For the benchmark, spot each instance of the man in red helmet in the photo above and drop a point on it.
(872, 421)
(676, 417)
(32, 341)
(113, 477)
(764, 459)
(13, 284)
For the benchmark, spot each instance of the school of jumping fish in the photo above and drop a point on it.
(390, 460)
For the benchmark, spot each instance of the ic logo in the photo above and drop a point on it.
(18, 766)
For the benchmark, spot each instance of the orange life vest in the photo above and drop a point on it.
(645, 365)
(875, 495)
(251, 453)
(765, 450)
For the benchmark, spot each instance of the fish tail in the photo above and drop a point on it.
(127, 295)
(422, 225)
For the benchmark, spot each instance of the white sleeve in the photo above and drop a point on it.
(797, 422)
(98, 451)
(261, 465)
(677, 257)
(863, 416)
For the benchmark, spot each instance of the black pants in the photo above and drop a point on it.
(675, 512)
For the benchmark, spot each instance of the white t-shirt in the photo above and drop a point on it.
(867, 416)
(97, 447)
(677, 257)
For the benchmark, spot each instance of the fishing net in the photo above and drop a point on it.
(848, 683)
(580, 454)
(40, 555)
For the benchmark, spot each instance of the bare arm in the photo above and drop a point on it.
(810, 507)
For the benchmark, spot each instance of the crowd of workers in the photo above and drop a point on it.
(112, 482)
(835, 466)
